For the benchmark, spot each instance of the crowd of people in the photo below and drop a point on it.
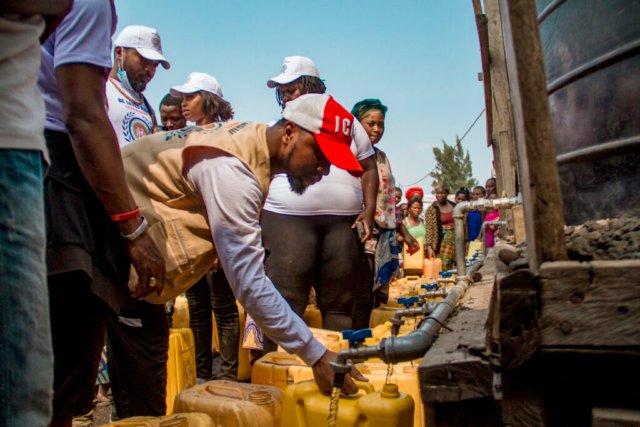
(109, 214)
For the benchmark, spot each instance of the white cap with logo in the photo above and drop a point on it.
(145, 40)
(293, 68)
(197, 82)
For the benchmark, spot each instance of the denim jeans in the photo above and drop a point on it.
(26, 357)
(213, 292)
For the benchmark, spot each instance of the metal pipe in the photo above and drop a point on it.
(411, 346)
(415, 344)
(397, 321)
(481, 205)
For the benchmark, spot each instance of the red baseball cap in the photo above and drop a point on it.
(331, 125)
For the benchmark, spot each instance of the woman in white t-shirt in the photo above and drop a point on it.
(203, 104)
(311, 239)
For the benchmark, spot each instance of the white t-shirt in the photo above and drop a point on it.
(130, 120)
(338, 193)
(22, 107)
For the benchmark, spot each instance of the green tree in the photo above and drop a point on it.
(453, 167)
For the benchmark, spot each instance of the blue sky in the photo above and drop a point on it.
(420, 57)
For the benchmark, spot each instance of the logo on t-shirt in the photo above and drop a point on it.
(134, 127)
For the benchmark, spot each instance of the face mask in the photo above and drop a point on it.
(124, 79)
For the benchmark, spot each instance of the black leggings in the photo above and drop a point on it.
(322, 251)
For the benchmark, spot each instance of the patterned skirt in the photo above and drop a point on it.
(448, 247)
(103, 371)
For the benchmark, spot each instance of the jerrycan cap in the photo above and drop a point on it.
(390, 391)
(408, 302)
(356, 336)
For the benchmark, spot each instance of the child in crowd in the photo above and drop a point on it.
(474, 218)
(462, 195)
(492, 230)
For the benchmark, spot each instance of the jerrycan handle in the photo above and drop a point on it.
(230, 392)
(365, 386)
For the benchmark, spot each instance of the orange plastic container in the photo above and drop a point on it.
(437, 267)
(233, 404)
(181, 364)
(180, 313)
(405, 375)
(431, 267)
(305, 406)
(331, 339)
(279, 369)
(194, 419)
(312, 317)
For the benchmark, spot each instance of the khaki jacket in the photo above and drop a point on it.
(174, 209)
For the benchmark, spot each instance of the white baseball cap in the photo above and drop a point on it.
(197, 82)
(331, 125)
(145, 40)
(293, 68)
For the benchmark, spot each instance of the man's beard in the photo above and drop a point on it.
(297, 184)
(139, 85)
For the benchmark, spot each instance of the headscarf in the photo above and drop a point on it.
(360, 109)
(414, 192)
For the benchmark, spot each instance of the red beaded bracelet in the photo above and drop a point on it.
(125, 216)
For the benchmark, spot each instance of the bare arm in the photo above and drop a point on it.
(36, 7)
(53, 11)
(370, 184)
(96, 149)
(408, 238)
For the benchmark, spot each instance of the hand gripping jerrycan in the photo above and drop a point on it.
(412, 262)
(233, 404)
(305, 406)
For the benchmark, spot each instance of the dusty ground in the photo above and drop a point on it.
(605, 239)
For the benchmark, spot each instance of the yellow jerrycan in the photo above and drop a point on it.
(312, 316)
(381, 314)
(180, 317)
(331, 339)
(181, 364)
(475, 246)
(176, 420)
(405, 375)
(279, 369)
(233, 404)
(305, 406)
(412, 263)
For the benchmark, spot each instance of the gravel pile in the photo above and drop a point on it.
(605, 239)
